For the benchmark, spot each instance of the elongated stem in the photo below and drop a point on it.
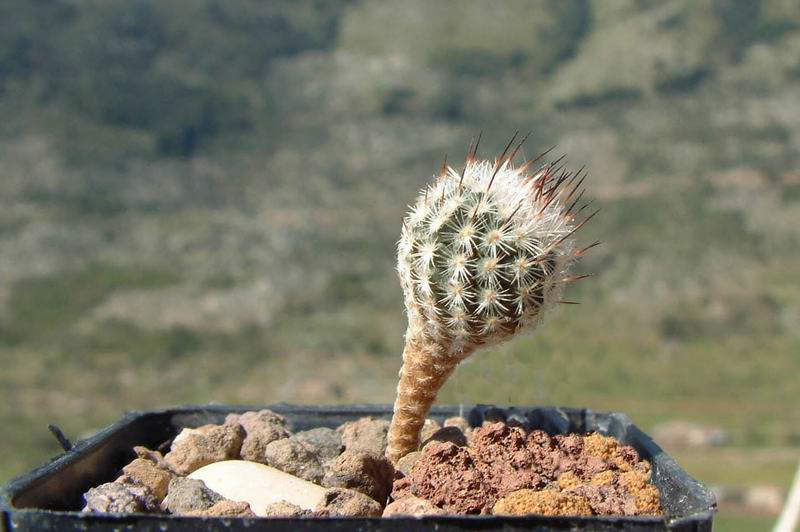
(426, 367)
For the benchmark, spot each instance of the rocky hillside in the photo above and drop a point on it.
(200, 200)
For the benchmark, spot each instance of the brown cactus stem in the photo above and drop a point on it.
(426, 367)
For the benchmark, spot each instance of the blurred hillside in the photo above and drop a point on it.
(199, 200)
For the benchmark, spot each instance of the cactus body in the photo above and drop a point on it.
(483, 253)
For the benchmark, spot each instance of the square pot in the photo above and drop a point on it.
(50, 497)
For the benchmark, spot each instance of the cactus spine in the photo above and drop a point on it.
(483, 254)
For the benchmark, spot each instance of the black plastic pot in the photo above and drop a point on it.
(49, 498)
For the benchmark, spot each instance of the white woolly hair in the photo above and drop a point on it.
(485, 252)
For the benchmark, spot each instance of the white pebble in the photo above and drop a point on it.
(258, 484)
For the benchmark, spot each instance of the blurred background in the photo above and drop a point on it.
(200, 199)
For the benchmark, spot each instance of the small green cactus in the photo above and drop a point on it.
(483, 254)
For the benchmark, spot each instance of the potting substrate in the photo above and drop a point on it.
(319, 464)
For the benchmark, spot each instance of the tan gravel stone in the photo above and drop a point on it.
(346, 502)
(411, 505)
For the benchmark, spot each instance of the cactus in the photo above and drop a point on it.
(483, 254)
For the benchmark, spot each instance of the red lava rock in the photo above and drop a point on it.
(544, 451)
(503, 457)
(571, 444)
(520, 479)
(539, 439)
(447, 476)
(626, 458)
(346, 502)
(569, 473)
(500, 443)
(590, 466)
